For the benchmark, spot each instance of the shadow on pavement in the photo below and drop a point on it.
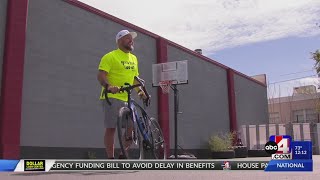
(74, 173)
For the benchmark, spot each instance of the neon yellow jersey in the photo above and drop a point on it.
(121, 68)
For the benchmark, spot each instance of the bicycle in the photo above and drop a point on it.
(143, 131)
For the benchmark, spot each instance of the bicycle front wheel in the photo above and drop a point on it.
(157, 140)
(128, 136)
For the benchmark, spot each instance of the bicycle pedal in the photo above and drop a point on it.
(146, 145)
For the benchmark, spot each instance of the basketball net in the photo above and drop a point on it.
(165, 86)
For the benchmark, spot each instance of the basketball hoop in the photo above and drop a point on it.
(169, 75)
(165, 86)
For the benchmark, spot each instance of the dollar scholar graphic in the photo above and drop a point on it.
(34, 165)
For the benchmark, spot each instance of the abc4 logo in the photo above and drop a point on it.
(278, 145)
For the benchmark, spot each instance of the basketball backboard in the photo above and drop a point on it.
(176, 71)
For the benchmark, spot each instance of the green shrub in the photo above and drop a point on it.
(222, 142)
(92, 155)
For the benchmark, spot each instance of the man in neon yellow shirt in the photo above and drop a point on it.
(116, 68)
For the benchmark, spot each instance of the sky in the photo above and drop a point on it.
(273, 37)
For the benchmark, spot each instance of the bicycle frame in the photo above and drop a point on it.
(137, 122)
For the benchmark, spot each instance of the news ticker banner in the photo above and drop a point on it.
(101, 165)
(288, 155)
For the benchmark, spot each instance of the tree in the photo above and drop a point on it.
(316, 58)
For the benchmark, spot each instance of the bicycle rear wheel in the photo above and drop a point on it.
(128, 136)
(157, 140)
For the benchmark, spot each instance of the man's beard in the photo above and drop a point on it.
(129, 47)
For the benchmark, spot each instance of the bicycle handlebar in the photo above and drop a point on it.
(128, 89)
